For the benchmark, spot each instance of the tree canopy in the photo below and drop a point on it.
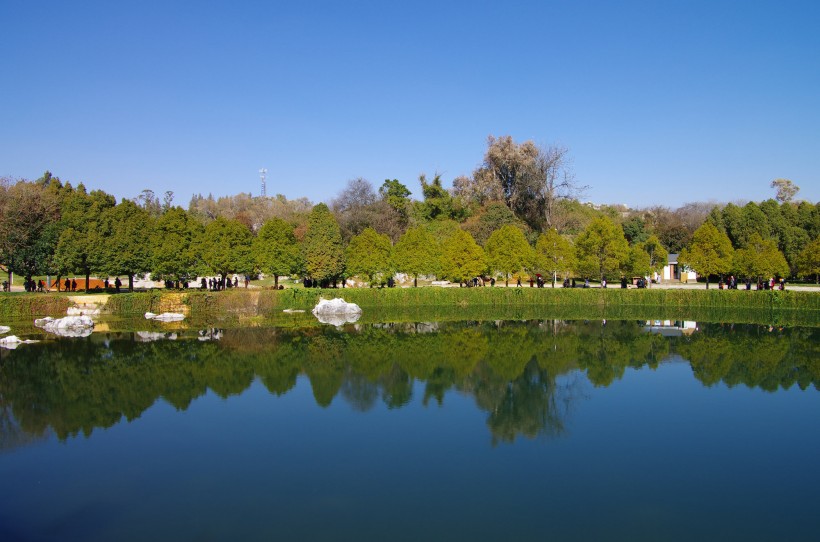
(710, 253)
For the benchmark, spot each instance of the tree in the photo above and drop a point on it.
(396, 195)
(761, 258)
(808, 262)
(275, 250)
(354, 207)
(126, 241)
(507, 251)
(322, 246)
(658, 256)
(710, 253)
(488, 219)
(638, 262)
(417, 253)
(78, 249)
(461, 257)
(602, 249)
(368, 254)
(438, 203)
(529, 179)
(225, 247)
(786, 190)
(634, 230)
(173, 250)
(29, 227)
(554, 254)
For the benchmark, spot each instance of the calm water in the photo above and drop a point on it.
(544, 430)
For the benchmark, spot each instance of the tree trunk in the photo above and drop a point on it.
(707, 282)
(416, 281)
(58, 283)
(130, 282)
(276, 280)
(553, 278)
(506, 280)
(87, 279)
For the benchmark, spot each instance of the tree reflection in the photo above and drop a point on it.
(516, 372)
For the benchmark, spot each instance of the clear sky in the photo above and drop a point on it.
(659, 102)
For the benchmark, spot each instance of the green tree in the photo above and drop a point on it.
(488, 219)
(760, 258)
(368, 254)
(554, 254)
(275, 250)
(322, 246)
(396, 195)
(461, 257)
(438, 203)
(638, 262)
(635, 230)
(225, 247)
(173, 250)
(417, 253)
(602, 250)
(126, 241)
(658, 256)
(808, 262)
(507, 251)
(78, 249)
(710, 253)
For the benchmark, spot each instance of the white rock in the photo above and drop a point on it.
(165, 316)
(336, 311)
(4, 329)
(70, 326)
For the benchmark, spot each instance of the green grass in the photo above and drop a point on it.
(769, 306)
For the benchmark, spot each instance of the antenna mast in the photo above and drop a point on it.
(262, 174)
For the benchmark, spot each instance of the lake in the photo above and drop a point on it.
(478, 430)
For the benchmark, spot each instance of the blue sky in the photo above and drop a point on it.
(658, 102)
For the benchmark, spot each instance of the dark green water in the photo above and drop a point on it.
(509, 430)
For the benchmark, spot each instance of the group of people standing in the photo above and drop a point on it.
(216, 284)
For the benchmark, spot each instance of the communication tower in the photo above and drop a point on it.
(262, 174)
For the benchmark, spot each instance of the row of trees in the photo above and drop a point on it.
(518, 212)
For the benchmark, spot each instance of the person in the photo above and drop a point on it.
(586, 283)
(73, 285)
(235, 281)
(5, 286)
(492, 281)
(117, 284)
(518, 282)
(782, 284)
(106, 283)
(623, 282)
(40, 285)
(603, 283)
(67, 285)
(203, 284)
(247, 280)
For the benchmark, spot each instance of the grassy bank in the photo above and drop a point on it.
(788, 307)
(25, 305)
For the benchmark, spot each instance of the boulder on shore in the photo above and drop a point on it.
(4, 329)
(70, 326)
(336, 311)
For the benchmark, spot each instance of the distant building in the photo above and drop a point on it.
(675, 271)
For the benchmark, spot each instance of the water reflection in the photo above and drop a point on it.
(525, 376)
